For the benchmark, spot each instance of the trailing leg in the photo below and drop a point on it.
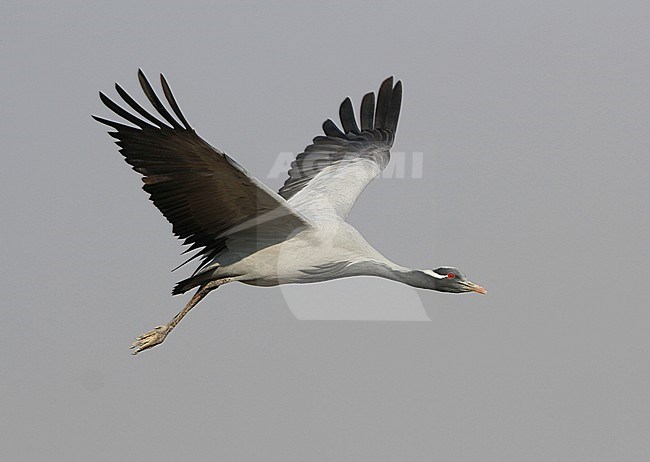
(157, 335)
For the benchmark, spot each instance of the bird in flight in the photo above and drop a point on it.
(245, 232)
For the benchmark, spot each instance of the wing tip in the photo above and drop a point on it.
(389, 101)
(348, 120)
(330, 129)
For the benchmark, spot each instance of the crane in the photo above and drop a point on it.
(241, 230)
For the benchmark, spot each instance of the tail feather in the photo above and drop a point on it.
(187, 284)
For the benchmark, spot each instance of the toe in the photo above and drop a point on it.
(149, 340)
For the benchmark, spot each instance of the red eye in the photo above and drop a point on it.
(451, 275)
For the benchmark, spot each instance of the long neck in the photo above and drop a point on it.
(411, 277)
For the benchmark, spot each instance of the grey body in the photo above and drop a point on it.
(319, 253)
(245, 232)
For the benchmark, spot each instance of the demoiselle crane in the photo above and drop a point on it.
(243, 231)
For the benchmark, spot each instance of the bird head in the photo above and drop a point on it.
(449, 279)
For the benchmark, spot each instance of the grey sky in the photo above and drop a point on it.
(533, 119)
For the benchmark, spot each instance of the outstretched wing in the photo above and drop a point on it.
(327, 178)
(202, 192)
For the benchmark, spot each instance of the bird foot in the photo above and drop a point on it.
(150, 339)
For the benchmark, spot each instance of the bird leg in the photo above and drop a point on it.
(158, 334)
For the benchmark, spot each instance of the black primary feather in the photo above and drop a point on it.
(372, 141)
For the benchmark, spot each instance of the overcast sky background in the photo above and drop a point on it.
(533, 118)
